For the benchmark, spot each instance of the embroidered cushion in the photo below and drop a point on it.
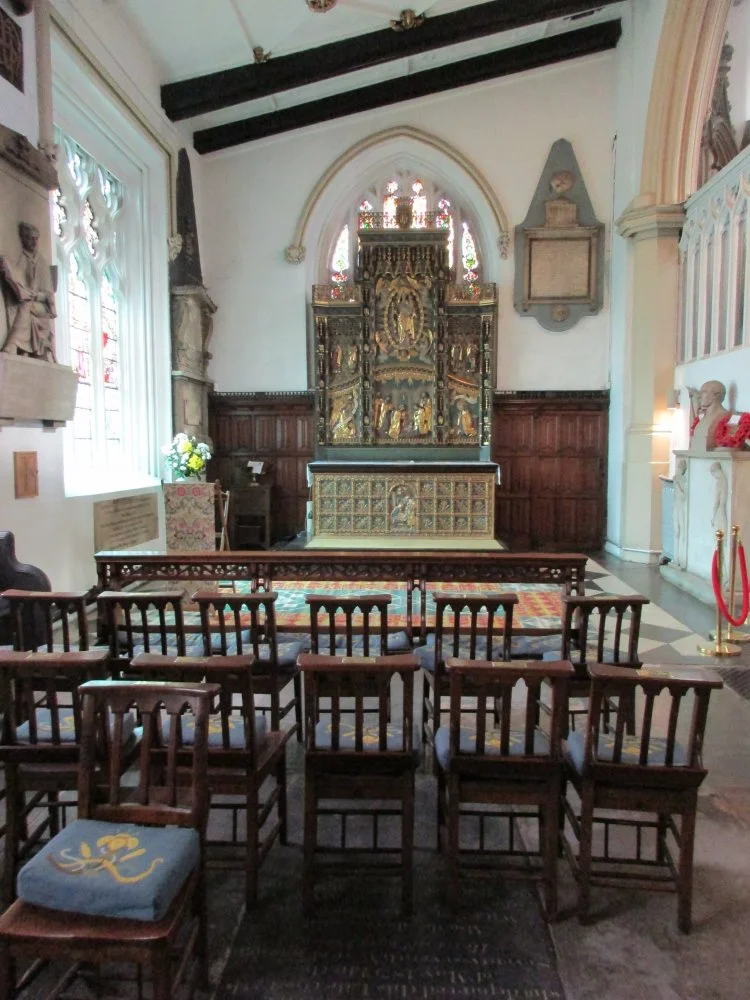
(67, 727)
(215, 739)
(110, 869)
(631, 749)
(370, 736)
(468, 740)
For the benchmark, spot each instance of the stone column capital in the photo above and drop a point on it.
(648, 222)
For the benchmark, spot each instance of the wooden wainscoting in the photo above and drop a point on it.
(274, 427)
(552, 451)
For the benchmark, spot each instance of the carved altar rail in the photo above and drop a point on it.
(417, 570)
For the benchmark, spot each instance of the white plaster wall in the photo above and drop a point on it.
(253, 196)
(636, 58)
(18, 109)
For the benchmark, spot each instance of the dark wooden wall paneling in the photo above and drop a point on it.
(551, 449)
(277, 428)
(552, 452)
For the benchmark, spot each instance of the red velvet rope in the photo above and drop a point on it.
(745, 588)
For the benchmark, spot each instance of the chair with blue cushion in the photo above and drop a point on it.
(141, 621)
(40, 744)
(468, 626)
(602, 628)
(359, 773)
(500, 767)
(242, 753)
(123, 882)
(52, 619)
(657, 773)
(353, 625)
(236, 624)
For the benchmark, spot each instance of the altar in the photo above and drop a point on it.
(404, 500)
(404, 375)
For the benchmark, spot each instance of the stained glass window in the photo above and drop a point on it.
(469, 256)
(419, 205)
(85, 207)
(431, 206)
(340, 273)
(389, 205)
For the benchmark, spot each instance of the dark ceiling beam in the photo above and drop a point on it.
(558, 48)
(214, 91)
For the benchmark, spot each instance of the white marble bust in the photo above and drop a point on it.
(712, 395)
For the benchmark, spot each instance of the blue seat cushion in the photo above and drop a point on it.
(426, 654)
(215, 739)
(67, 727)
(631, 750)
(111, 869)
(535, 647)
(370, 736)
(398, 642)
(467, 743)
(286, 651)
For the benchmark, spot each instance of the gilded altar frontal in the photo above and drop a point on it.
(435, 504)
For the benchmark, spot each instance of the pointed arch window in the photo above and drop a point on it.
(429, 200)
(87, 210)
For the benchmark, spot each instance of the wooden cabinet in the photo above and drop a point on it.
(250, 517)
(552, 452)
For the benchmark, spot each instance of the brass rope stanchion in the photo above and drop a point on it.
(720, 647)
(733, 632)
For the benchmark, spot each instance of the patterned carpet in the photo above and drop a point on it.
(538, 607)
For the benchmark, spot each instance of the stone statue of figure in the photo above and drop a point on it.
(680, 514)
(719, 513)
(712, 395)
(29, 299)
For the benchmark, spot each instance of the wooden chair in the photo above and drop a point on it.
(242, 752)
(236, 624)
(124, 882)
(652, 774)
(357, 624)
(502, 761)
(142, 621)
(358, 769)
(468, 626)
(615, 641)
(41, 743)
(52, 619)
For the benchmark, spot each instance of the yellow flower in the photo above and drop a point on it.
(195, 462)
(186, 446)
(116, 841)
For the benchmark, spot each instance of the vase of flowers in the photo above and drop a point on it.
(187, 457)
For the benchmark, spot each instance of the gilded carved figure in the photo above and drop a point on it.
(29, 299)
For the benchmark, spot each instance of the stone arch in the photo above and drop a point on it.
(403, 146)
(686, 64)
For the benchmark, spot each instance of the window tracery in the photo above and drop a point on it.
(377, 206)
(87, 209)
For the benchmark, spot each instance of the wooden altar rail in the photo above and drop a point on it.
(417, 570)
